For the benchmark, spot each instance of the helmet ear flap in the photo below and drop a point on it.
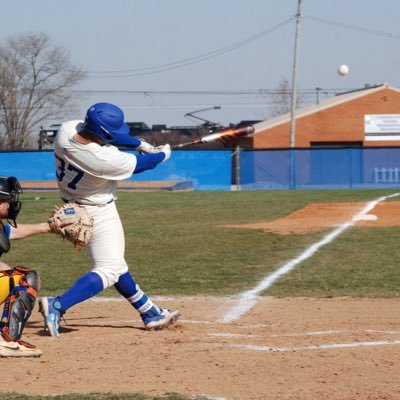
(13, 211)
(14, 187)
(107, 136)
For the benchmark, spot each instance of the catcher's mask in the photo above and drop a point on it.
(10, 189)
(106, 121)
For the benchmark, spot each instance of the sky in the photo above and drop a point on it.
(215, 59)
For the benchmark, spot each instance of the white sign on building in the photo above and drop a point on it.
(382, 127)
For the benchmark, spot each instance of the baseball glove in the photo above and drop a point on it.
(72, 222)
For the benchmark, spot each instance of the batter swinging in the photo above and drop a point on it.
(88, 167)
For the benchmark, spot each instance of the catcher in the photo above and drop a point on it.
(19, 286)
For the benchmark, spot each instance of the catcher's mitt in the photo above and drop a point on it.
(72, 222)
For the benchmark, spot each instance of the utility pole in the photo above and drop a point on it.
(317, 91)
(294, 78)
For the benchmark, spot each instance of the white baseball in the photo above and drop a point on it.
(343, 70)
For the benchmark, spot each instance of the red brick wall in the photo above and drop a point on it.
(341, 123)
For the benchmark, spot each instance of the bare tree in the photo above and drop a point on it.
(34, 76)
(282, 98)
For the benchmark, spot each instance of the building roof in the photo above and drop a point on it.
(325, 104)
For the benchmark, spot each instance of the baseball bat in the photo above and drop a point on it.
(222, 136)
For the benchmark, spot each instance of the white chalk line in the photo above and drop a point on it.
(302, 334)
(233, 335)
(245, 326)
(329, 346)
(247, 299)
(320, 347)
(317, 333)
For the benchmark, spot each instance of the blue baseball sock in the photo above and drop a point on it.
(128, 288)
(84, 288)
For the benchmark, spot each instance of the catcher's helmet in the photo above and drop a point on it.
(10, 189)
(105, 121)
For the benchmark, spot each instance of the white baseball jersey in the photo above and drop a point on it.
(89, 173)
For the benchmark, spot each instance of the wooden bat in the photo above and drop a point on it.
(222, 136)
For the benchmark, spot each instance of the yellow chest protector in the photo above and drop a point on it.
(6, 283)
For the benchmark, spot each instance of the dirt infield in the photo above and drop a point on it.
(281, 349)
(316, 217)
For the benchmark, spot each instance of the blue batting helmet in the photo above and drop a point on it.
(105, 121)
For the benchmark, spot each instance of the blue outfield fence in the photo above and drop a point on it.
(270, 169)
(205, 169)
(320, 168)
(28, 165)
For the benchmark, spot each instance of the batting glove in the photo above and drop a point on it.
(166, 149)
(147, 148)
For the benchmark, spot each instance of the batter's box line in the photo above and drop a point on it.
(331, 346)
(338, 331)
(302, 334)
(240, 326)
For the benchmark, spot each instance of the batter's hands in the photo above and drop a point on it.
(166, 149)
(146, 148)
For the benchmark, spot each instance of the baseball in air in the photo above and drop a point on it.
(343, 70)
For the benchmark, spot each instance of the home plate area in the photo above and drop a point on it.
(289, 348)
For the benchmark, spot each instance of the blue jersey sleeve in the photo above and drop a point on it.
(148, 161)
(126, 141)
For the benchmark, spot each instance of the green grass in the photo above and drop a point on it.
(175, 246)
(361, 262)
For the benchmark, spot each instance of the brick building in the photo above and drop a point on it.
(368, 117)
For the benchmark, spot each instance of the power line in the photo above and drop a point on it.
(354, 28)
(215, 53)
(188, 61)
(233, 92)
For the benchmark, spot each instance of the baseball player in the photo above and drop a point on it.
(88, 168)
(19, 286)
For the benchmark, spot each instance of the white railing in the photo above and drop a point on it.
(386, 175)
